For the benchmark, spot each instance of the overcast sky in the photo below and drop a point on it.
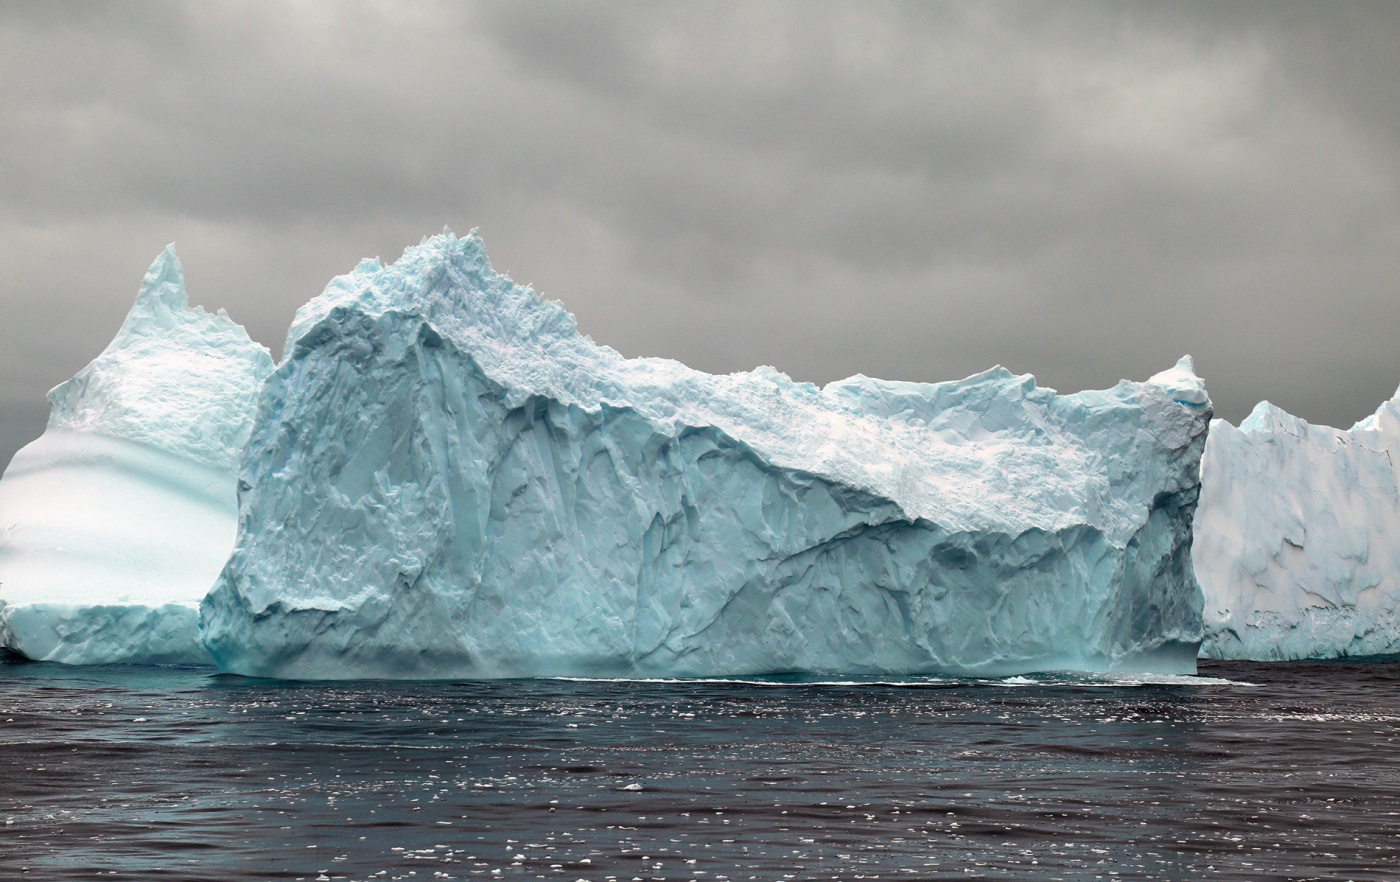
(1082, 191)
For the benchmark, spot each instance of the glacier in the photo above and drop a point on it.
(117, 520)
(446, 479)
(1295, 546)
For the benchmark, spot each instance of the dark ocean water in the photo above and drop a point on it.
(1250, 771)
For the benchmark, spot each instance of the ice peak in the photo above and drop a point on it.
(443, 253)
(174, 377)
(1185, 388)
(165, 282)
(1385, 419)
(1266, 417)
(445, 279)
(160, 302)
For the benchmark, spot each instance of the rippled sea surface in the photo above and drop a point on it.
(1248, 771)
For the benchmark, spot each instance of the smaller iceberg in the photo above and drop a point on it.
(1295, 544)
(117, 520)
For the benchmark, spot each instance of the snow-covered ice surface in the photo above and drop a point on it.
(1296, 540)
(446, 479)
(117, 520)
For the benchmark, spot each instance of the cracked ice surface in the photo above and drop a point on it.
(116, 521)
(445, 479)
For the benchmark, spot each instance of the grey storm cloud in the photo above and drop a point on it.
(1083, 191)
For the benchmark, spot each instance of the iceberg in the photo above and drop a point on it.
(445, 479)
(1296, 543)
(117, 520)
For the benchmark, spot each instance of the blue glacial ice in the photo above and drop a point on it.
(446, 479)
(117, 520)
(1295, 546)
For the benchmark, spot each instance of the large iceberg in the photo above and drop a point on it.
(117, 520)
(446, 479)
(1297, 546)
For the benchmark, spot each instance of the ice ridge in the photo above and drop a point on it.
(481, 490)
(115, 522)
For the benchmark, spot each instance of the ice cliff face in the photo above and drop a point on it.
(116, 521)
(445, 479)
(1296, 544)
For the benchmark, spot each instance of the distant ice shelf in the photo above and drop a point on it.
(1297, 545)
(446, 479)
(117, 520)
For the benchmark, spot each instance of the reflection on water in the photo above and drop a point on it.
(1247, 772)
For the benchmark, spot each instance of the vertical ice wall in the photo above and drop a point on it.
(116, 521)
(446, 479)
(1297, 543)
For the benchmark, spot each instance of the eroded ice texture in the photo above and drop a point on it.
(116, 521)
(446, 479)
(1295, 545)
